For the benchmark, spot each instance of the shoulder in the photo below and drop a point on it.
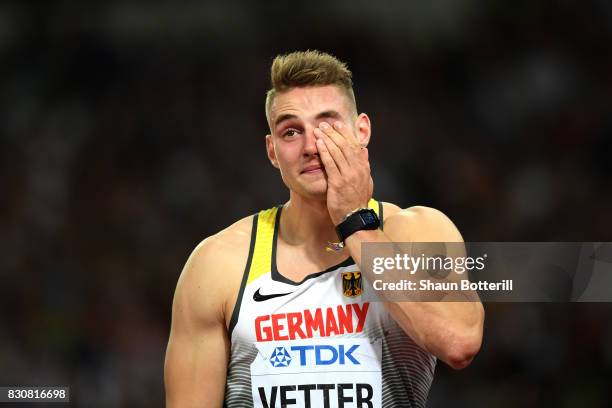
(231, 240)
(223, 248)
(419, 223)
(212, 274)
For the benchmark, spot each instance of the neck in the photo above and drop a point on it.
(306, 221)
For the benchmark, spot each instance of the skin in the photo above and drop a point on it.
(319, 146)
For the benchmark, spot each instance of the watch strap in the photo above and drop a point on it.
(358, 220)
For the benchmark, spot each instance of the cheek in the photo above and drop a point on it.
(288, 154)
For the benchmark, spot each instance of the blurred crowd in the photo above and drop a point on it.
(131, 131)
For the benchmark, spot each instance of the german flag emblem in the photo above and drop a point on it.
(351, 284)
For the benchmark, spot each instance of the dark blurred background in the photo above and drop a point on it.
(130, 131)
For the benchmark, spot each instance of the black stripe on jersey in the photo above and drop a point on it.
(380, 215)
(276, 275)
(245, 276)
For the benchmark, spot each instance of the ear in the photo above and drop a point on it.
(271, 151)
(363, 129)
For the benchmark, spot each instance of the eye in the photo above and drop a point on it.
(290, 133)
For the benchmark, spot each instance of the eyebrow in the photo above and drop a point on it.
(284, 117)
(325, 114)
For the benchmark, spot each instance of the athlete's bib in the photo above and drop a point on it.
(317, 372)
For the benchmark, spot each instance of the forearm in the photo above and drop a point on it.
(452, 331)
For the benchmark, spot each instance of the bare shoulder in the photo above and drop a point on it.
(232, 240)
(420, 223)
(211, 278)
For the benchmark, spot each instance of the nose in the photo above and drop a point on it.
(310, 143)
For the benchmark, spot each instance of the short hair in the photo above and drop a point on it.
(309, 68)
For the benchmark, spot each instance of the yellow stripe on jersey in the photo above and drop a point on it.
(262, 252)
(373, 205)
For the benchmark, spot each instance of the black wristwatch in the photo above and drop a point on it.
(361, 219)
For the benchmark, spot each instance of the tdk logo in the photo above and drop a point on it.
(280, 357)
(318, 355)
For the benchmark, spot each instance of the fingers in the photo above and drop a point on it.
(330, 165)
(334, 150)
(346, 133)
(343, 138)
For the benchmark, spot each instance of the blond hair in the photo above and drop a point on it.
(309, 68)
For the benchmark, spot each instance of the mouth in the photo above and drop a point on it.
(313, 169)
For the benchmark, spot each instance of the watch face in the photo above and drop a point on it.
(368, 218)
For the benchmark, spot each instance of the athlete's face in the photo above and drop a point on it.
(294, 115)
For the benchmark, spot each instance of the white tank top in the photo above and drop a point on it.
(317, 343)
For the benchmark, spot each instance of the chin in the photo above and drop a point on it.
(316, 189)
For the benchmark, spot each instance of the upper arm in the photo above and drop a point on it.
(450, 329)
(435, 235)
(199, 345)
(197, 354)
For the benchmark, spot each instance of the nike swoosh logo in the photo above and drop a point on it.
(258, 297)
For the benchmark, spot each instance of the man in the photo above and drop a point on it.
(270, 311)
